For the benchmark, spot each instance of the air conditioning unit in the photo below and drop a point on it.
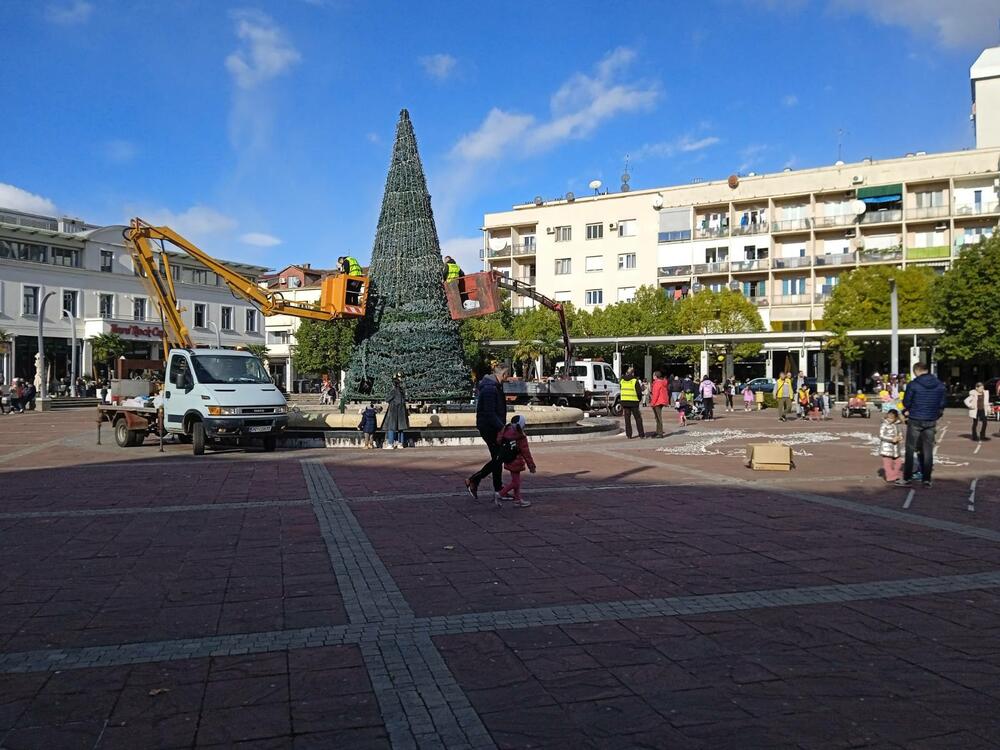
(735, 286)
(549, 230)
(612, 226)
(857, 180)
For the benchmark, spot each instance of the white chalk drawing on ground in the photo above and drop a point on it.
(712, 443)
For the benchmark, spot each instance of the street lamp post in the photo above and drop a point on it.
(43, 388)
(218, 333)
(72, 359)
(894, 323)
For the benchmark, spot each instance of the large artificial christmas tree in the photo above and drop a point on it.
(407, 327)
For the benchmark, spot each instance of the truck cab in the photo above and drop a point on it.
(220, 395)
(599, 381)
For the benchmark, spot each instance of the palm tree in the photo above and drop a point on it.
(108, 347)
(4, 350)
(257, 350)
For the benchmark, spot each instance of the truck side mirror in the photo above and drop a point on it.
(184, 380)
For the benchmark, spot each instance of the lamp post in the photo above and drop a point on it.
(43, 388)
(894, 324)
(218, 333)
(72, 359)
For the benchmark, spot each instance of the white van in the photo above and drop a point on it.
(599, 381)
(221, 395)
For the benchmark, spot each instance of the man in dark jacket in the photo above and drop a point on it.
(491, 418)
(923, 404)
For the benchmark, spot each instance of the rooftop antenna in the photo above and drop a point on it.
(626, 176)
(840, 143)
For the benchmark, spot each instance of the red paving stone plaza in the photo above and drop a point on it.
(656, 595)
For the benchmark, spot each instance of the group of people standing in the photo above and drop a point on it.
(18, 397)
(682, 394)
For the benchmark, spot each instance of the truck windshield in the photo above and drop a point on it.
(220, 368)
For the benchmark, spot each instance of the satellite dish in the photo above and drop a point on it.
(658, 202)
(595, 184)
(733, 181)
(570, 197)
(858, 207)
(538, 200)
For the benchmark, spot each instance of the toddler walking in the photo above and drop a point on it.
(747, 398)
(683, 408)
(516, 456)
(889, 438)
(368, 425)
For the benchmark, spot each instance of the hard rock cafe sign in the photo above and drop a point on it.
(133, 330)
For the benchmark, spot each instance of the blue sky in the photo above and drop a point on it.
(263, 130)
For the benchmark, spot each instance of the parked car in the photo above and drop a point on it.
(762, 384)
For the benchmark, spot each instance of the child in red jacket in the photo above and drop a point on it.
(516, 455)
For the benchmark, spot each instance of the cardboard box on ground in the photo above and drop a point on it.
(769, 457)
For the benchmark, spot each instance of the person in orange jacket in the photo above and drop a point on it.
(516, 457)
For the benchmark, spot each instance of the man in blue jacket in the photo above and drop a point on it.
(491, 418)
(923, 404)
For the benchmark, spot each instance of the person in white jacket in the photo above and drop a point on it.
(978, 404)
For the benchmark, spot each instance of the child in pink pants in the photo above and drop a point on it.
(513, 435)
(889, 439)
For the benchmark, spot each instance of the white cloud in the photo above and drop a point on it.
(259, 239)
(751, 155)
(21, 200)
(265, 52)
(683, 145)
(439, 66)
(789, 100)
(969, 24)
(119, 151)
(373, 138)
(465, 251)
(197, 220)
(70, 14)
(498, 131)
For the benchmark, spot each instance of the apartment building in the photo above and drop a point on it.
(784, 240)
(91, 274)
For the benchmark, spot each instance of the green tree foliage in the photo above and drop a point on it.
(407, 327)
(538, 332)
(475, 332)
(727, 311)
(107, 347)
(323, 346)
(861, 301)
(257, 350)
(964, 304)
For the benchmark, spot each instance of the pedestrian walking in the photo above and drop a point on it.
(675, 389)
(803, 398)
(783, 393)
(889, 440)
(631, 397)
(683, 409)
(800, 381)
(923, 402)
(730, 391)
(659, 398)
(516, 456)
(978, 404)
(687, 386)
(491, 418)
(396, 421)
(368, 425)
(707, 390)
(748, 398)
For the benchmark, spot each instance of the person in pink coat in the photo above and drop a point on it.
(516, 457)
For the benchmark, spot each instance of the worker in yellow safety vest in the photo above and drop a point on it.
(631, 397)
(350, 266)
(452, 270)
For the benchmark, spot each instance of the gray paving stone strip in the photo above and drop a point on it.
(140, 511)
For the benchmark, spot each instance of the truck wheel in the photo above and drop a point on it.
(138, 437)
(270, 443)
(123, 435)
(617, 409)
(198, 438)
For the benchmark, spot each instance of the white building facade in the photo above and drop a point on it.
(88, 271)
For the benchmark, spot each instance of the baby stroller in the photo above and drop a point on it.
(856, 407)
(696, 409)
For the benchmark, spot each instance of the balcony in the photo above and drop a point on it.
(791, 225)
(682, 235)
(710, 268)
(528, 249)
(503, 252)
(835, 259)
(821, 298)
(703, 233)
(928, 212)
(760, 301)
(739, 266)
(529, 280)
(928, 253)
(744, 229)
(893, 255)
(793, 299)
(977, 209)
(886, 216)
(836, 220)
(674, 271)
(784, 263)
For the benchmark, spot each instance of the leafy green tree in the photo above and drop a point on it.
(861, 301)
(106, 348)
(727, 311)
(323, 346)
(257, 350)
(964, 304)
(475, 332)
(538, 332)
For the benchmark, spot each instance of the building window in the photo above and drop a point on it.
(70, 299)
(175, 271)
(280, 337)
(107, 261)
(23, 251)
(626, 293)
(594, 297)
(29, 305)
(199, 276)
(528, 240)
(251, 321)
(594, 263)
(716, 254)
(930, 199)
(564, 266)
(564, 234)
(793, 286)
(626, 261)
(227, 319)
(627, 228)
(66, 256)
(199, 315)
(562, 296)
(595, 231)
(754, 289)
(139, 308)
(107, 305)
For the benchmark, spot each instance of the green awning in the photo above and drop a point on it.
(879, 191)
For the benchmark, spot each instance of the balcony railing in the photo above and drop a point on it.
(760, 301)
(927, 253)
(674, 271)
(709, 268)
(707, 232)
(793, 299)
(682, 235)
(528, 249)
(835, 220)
(791, 225)
(835, 259)
(529, 280)
(822, 297)
(927, 212)
(977, 209)
(882, 217)
(742, 229)
(799, 262)
(880, 256)
(503, 252)
(738, 266)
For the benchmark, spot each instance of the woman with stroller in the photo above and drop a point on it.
(707, 391)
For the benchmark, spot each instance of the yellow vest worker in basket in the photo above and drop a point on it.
(349, 266)
(631, 397)
(454, 271)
